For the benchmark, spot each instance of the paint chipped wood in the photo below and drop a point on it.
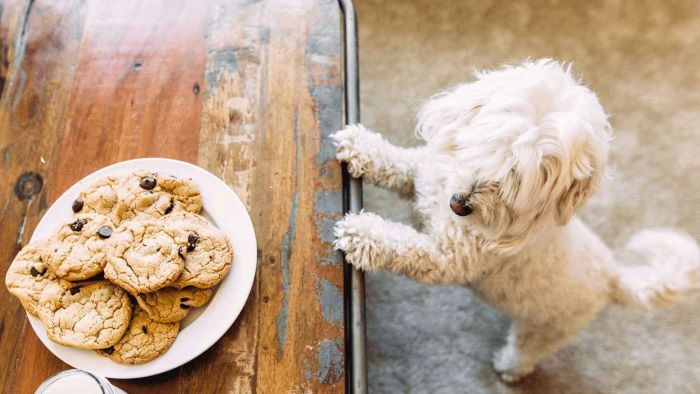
(248, 90)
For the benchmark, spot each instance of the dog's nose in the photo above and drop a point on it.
(458, 204)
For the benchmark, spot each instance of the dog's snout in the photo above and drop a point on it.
(459, 205)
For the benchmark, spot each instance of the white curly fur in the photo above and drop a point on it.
(527, 145)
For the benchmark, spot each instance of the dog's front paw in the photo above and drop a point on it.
(507, 366)
(349, 145)
(355, 237)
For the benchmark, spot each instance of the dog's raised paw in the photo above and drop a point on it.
(349, 147)
(354, 237)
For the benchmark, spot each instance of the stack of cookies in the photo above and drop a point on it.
(120, 275)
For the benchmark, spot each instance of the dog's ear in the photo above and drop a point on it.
(574, 197)
(582, 171)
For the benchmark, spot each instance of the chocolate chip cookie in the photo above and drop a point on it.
(77, 250)
(28, 275)
(152, 194)
(170, 305)
(145, 255)
(91, 315)
(101, 197)
(209, 253)
(139, 194)
(145, 340)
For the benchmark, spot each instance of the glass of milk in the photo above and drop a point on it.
(77, 381)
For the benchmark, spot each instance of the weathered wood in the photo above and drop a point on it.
(249, 91)
(41, 44)
(233, 112)
(294, 278)
(136, 93)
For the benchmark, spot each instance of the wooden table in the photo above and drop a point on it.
(248, 90)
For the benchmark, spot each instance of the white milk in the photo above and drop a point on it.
(74, 383)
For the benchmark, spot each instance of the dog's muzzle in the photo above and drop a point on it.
(459, 205)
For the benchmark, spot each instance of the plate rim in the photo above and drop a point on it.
(134, 371)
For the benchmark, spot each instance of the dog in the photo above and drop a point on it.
(508, 160)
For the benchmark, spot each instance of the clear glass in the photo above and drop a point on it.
(100, 383)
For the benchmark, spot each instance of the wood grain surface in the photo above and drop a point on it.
(248, 90)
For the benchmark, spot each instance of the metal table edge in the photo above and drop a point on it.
(354, 281)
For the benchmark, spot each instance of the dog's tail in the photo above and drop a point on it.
(671, 273)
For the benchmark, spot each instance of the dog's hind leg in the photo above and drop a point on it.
(370, 156)
(528, 344)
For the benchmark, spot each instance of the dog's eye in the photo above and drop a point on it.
(459, 204)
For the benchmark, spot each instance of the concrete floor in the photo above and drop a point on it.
(643, 58)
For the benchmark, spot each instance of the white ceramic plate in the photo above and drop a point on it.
(203, 326)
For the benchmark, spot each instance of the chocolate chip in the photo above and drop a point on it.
(184, 299)
(104, 232)
(144, 329)
(74, 290)
(78, 225)
(181, 252)
(148, 183)
(192, 240)
(78, 205)
(109, 350)
(183, 306)
(170, 207)
(35, 272)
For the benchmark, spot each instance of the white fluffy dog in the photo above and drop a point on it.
(508, 160)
